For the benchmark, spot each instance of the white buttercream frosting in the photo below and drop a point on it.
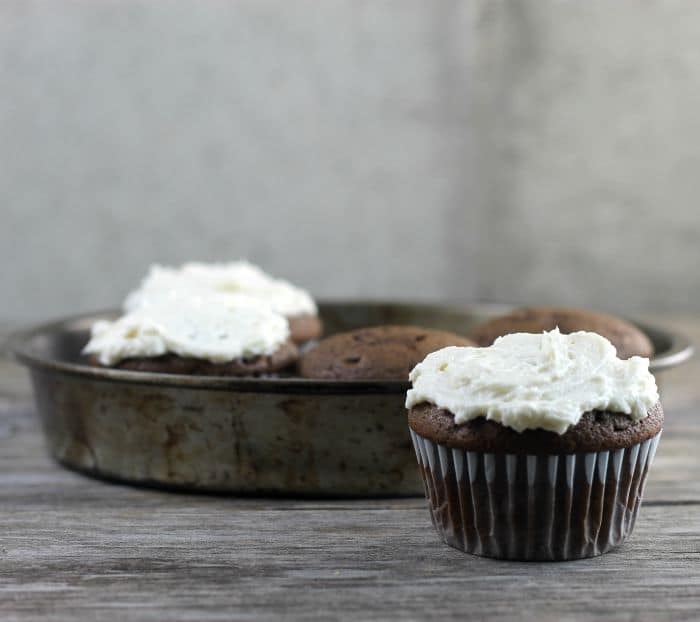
(234, 279)
(528, 381)
(212, 327)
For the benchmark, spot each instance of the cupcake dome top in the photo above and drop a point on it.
(534, 381)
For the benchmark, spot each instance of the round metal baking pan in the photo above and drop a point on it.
(285, 435)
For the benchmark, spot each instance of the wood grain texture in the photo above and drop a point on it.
(73, 548)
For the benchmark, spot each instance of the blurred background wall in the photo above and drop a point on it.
(516, 150)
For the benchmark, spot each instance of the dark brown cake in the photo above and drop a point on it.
(304, 328)
(534, 495)
(627, 338)
(285, 356)
(377, 353)
(596, 431)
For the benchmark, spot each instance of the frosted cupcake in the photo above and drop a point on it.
(537, 447)
(238, 280)
(194, 335)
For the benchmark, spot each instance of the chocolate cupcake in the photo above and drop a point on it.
(191, 336)
(377, 353)
(258, 365)
(535, 448)
(241, 283)
(627, 338)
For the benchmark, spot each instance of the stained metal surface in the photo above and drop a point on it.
(287, 435)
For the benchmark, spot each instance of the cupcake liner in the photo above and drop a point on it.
(534, 507)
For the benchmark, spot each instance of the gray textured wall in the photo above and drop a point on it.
(524, 150)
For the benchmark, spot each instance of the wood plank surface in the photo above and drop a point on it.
(73, 548)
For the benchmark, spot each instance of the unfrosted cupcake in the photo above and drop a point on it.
(375, 353)
(535, 448)
(237, 280)
(626, 337)
(190, 335)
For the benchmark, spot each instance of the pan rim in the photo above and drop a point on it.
(19, 346)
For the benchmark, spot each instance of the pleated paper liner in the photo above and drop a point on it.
(534, 507)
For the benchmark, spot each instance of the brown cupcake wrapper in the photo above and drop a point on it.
(534, 507)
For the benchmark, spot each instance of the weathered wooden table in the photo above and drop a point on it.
(72, 548)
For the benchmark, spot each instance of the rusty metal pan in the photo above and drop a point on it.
(287, 435)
